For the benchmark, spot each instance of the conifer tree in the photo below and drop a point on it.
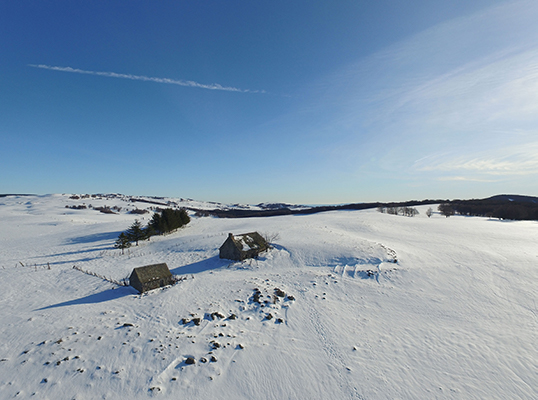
(122, 242)
(185, 219)
(169, 220)
(157, 224)
(135, 232)
(148, 232)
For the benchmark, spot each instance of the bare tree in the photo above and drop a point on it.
(446, 209)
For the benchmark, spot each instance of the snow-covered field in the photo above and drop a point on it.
(376, 306)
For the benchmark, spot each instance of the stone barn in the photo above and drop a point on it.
(240, 247)
(150, 277)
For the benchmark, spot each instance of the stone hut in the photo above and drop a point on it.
(150, 277)
(240, 247)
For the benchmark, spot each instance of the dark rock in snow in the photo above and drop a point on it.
(215, 345)
(190, 361)
(216, 315)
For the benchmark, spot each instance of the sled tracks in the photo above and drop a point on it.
(334, 357)
(368, 268)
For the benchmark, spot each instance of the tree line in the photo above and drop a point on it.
(491, 208)
(405, 211)
(165, 221)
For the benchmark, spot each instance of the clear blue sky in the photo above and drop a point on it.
(251, 101)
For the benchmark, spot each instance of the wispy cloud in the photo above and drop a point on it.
(212, 86)
(467, 87)
(511, 160)
(464, 179)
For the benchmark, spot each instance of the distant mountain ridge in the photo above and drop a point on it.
(514, 197)
(503, 206)
(15, 194)
(517, 207)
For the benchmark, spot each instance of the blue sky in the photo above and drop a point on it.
(259, 101)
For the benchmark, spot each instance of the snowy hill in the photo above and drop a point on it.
(347, 305)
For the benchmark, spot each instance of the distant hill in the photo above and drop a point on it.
(504, 206)
(514, 197)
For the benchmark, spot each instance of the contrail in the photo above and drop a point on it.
(213, 86)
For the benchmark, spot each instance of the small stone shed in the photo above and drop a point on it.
(240, 247)
(150, 277)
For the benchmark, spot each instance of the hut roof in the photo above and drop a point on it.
(152, 272)
(243, 246)
(150, 277)
(250, 241)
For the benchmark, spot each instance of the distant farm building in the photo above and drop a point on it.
(240, 247)
(150, 277)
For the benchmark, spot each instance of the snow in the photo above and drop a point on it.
(377, 306)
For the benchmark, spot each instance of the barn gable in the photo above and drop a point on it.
(151, 277)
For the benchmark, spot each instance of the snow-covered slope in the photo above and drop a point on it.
(347, 305)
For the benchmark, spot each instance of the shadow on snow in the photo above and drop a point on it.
(96, 237)
(201, 266)
(107, 295)
(113, 294)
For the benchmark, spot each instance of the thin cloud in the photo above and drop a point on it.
(514, 160)
(213, 86)
(464, 179)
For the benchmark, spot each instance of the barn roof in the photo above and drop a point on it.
(240, 247)
(250, 241)
(152, 272)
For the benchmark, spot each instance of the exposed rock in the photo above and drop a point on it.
(216, 315)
